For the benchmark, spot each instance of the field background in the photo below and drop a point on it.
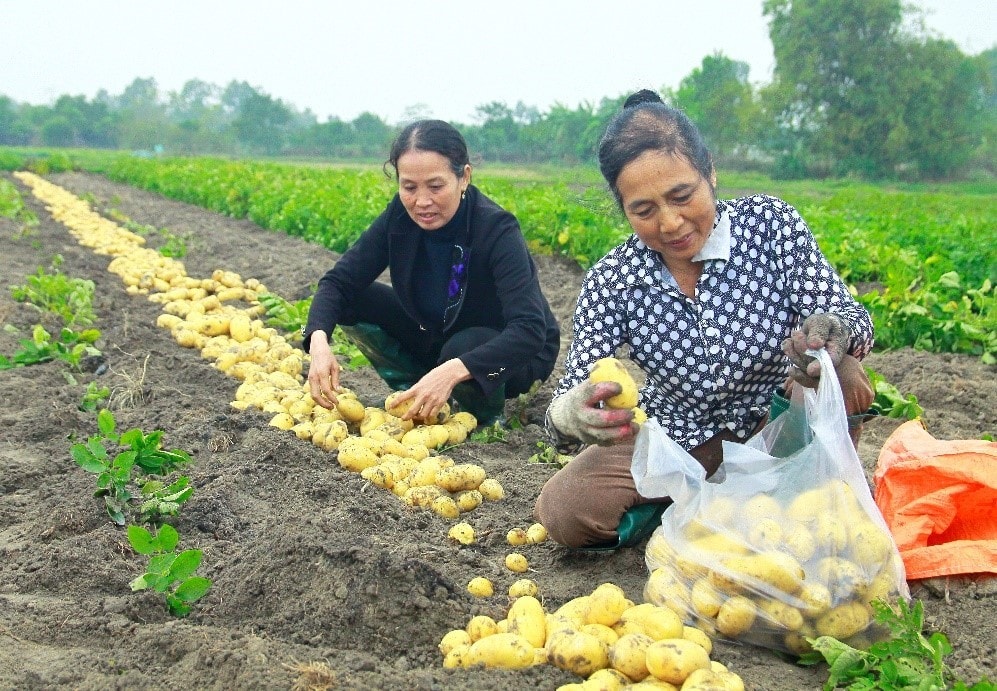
(309, 562)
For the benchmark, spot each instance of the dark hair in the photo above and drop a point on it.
(648, 124)
(430, 135)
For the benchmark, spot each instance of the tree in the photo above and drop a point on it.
(719, 99)
(262, 123)
(857, 94)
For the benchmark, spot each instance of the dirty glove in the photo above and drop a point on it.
(577, 414)
(826, 330)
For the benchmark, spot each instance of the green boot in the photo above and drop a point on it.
(397, 368)
(486, 409)
(637, 524)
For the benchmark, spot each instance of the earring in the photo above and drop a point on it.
(463, 194)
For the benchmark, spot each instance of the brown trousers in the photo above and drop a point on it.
(583, 502)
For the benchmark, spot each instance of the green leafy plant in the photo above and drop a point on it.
(70, 347)
(160, 500)
(549, 454)
(12, 207)
(70, 298)
(490, 434)
(114, 474)
(889, 402)
(291, 317)
(169, 572)
(906, 661)
(93, 396)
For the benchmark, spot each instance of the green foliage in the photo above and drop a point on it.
(291, 317)
(12, 206)
(907, 661)
(160, 500)
(139, 453)
(169, 572)
(549, 454)
(491, 434)
(70, 298)
(93, 396)
(889, 402)
(70, 347)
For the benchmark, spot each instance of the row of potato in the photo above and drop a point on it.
(774, 574)
(219, 316)
(603, 637)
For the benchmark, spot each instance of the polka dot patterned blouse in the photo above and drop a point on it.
(713, 361)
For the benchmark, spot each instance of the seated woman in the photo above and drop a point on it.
(464, 315)
(717, 301)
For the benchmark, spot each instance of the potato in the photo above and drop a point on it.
(713, 680)
(516, 537)
(606, 605)
(469, 500)
(491, 490)
(575, 610)
(735, 616)
(355, 456)
(351, 409)
(845, 579)
(759, 507)
(628, 655)
(780, 615)
(479, 586)
(527, 618)
(831, 534)
(605, 680)
(524, 586)
(657, 622)
(240, 327)
(844, 620)
(814, 598)
(699, 637)
(674, 659)
(466, 420)
(501, 650)
(776, 569)
(766, 534)
(282, 421)
(445, 507)
(611, 369)
(799, 542)
(453, 639)
(706, 599)
(421, 497)
(457, 433)
(536, 533)
(460, 477)
(424, 473)
(577, 652)
(337, 434)
(516, 562)
(664, 589)
(602, 632)
(462, 533)
(870, 546)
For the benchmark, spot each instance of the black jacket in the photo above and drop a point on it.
(502, 290)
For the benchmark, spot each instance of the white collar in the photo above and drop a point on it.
(717, 245)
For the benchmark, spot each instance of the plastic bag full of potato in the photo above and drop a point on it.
(774, 549)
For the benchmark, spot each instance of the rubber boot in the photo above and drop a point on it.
(397, 368)
(637, 523)
(486, 409)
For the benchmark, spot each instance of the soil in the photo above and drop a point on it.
(311, 566)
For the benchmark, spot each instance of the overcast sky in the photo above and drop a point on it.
(385, 56)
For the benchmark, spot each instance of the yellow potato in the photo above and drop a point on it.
(524, 586)
(462, 533)
(776, 569)
(536, 534)
(611, 369)
(602, 632)
(735, 616)
(527, 618)
(628, 655)
(650, 619)
(780, 615)
(452, 639)
(577, 652)
(516, 562)
(516, 537)
(460, 477)
(445, 507)
(351, 409)
(469, 500)
(491, 489)
(480, 586)
(698, 636)
(501, 650)
(606, 605)
(844, 620)
(606, 680)
(674, 659)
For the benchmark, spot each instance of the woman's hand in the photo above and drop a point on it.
(577, 414)
(323, 371)
(825, 330)
(430, 393)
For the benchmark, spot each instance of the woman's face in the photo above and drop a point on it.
(428, 188)
(669, 204)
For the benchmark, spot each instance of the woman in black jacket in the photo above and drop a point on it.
(464, 316)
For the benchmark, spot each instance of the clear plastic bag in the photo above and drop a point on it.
(783, 543)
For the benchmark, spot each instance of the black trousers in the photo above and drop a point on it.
(379, 305)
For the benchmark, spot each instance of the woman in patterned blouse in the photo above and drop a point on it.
(716, 302)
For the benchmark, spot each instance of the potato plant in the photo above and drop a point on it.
(168, 572)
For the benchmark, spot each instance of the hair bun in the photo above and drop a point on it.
(642, 96)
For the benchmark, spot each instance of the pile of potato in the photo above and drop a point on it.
(220, 317)
(604, 637)
(774, 574)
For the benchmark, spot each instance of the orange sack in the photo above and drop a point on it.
(939, 499)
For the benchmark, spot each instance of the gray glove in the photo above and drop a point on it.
(825, 330)
(576, 414)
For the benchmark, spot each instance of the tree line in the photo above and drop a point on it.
(860, 88)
